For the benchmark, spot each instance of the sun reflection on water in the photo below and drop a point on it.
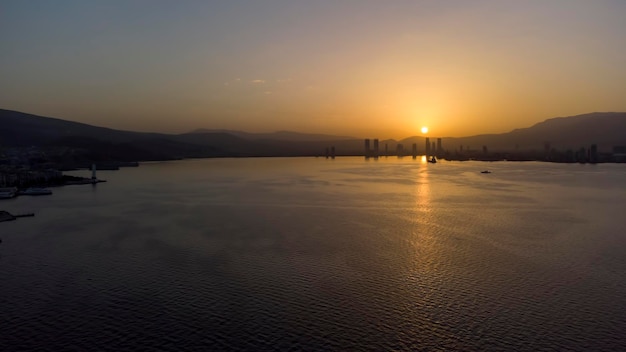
(422, 191)
(424, 239)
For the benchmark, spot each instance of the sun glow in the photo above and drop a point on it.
(424, 129)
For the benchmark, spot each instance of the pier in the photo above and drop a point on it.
(6, 216)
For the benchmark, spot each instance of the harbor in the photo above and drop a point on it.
(12, 192)
(8, 193)
(21, 186)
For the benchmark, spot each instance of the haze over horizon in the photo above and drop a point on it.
(356, 68)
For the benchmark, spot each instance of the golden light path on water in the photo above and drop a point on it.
(423, 241)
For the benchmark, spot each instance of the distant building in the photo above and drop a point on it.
(619, 149)
(439, 147)
(427, 146)
(547, 151)
(400, 150)
(376, 148)
(619, 154)
(367, 148)
(593, 153)
(93, 173)
(581, 155)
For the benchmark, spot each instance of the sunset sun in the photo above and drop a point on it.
(424, 129)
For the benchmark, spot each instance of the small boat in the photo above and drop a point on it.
(33, 191)
(432, 160)
(485, 172)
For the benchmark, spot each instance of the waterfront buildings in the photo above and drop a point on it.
(376, 153)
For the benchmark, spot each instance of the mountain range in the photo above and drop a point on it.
(18, 129)
(606, 129)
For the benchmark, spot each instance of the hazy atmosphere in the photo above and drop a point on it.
(312, 175)
(357, 68)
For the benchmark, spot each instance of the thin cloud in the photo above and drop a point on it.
(258, 81)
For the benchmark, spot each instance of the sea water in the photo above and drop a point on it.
(320, 254)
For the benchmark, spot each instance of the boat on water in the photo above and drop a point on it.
(8, 192)
(433, 160)
(34, 191)
(485, 172)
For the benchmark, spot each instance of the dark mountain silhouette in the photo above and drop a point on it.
(606, 129)
(99, 143)
(22, 130)
(19, 129)
(263, 146)
(278, 135)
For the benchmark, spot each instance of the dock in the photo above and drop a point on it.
(6, 216)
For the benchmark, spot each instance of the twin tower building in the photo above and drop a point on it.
(430, 149)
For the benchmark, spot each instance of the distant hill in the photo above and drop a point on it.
(606, 129)
(278, 135)
(260, 144)
(19, 129)
(99, 143)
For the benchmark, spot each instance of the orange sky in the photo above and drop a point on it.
(360, 68)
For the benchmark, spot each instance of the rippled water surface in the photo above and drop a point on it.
(315, 254)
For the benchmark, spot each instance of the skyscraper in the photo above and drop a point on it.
(427, 146)
(376, 148)
(367, 148)
(593, 153)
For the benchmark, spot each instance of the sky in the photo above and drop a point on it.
(363, 68)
